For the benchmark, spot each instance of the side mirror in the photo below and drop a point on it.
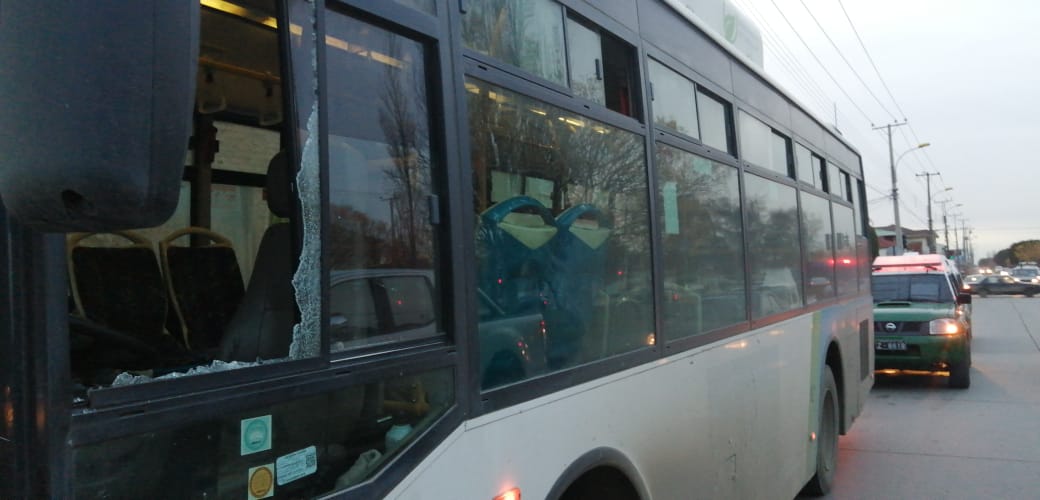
(97, 111)
(964, 298)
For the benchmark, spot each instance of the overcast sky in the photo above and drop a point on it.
(964, 73)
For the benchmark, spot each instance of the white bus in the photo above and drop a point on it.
(418, 249)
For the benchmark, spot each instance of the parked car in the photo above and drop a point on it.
(922, 321)
(1004, 285)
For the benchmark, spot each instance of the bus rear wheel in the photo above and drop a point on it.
(827, 438)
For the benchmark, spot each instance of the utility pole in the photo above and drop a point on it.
(946, 224)
(964, 234)
(931, 230)
(956, 240)
(895, 191)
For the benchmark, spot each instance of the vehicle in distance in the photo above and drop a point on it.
(971, 280)
(921, 322)
(1004, 285)
(1026, 273)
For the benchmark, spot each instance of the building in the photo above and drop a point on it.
(916, 240)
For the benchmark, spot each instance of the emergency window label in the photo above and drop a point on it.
(256, 435)
(295, 465)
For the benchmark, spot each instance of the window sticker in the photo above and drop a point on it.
(671, 208)
(256, 435)
(295, 465)
(261, 482)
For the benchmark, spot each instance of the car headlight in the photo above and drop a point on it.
(944, 326)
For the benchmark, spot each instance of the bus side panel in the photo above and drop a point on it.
(726, 420)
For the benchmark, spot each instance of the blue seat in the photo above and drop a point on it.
(579, 268)
(514, 255)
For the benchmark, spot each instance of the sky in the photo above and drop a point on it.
(964, 74)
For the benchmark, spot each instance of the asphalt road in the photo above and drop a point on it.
(917, 439)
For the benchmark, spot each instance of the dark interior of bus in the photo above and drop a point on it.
(190, 291)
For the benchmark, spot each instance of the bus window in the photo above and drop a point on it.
(845, 248)
(138, 315)
(674, 98)
(526, 34)
(576, 255)
(703, 243)
(381, 189)
(716, 121)
(310, 446)
(818, 241)
(774, 250)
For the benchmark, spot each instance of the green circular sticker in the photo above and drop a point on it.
(254, 437)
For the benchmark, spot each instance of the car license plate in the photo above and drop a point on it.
(890, 345)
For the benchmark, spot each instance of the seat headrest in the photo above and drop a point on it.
(279, 195)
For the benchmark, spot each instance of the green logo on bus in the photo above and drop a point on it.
(729, 26)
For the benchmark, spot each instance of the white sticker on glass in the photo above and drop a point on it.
(297, 464)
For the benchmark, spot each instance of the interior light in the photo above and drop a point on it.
(240, 11)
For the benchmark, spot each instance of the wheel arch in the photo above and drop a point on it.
(834, 362)
(596, 459)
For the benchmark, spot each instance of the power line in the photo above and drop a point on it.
(787, 58)
(882, 79)
(806, 82)
(847, 63)
(871, 59)
(828, 73)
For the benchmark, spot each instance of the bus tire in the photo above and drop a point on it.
(827, 438)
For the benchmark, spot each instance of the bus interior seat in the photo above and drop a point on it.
(262, 325)
(513, 248)
(120, 304)
(204, 284)
(579, 261)
(117, 286)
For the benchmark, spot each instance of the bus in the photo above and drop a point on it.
(482, 249)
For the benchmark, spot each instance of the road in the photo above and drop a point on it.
(917, 439)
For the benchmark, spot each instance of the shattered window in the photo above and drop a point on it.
(216, 286)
